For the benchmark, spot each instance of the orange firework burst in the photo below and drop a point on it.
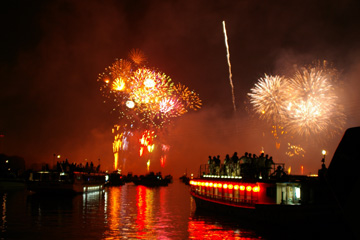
(143, 98)
(189, 98)
(146, 142)
(137, 56)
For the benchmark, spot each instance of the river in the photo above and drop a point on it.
(125, 212)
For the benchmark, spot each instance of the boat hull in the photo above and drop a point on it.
(63, 188)
(74, 183)
(269, 213)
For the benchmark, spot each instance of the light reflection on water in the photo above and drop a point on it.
(125, 212)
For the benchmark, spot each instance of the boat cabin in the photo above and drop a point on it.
(236, 187)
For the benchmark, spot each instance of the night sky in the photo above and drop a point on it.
(53, 51)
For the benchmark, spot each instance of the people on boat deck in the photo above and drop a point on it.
(268, 166)
(247, 166)
(235, 162)
(279, 172)
(211, 165)
(65, 166)
(228, 165)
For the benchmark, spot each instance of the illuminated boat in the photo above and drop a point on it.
(286, 198)
(65, 182)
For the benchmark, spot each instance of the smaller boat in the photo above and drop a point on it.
(169, 178)
(115, 179)
(151, 180)
(55, 182)
(185, 179)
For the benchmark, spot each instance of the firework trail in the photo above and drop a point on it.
(228, 60)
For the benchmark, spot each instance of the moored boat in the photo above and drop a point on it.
(185, 179)
(151, 180)
(55, 182)
(115, 179)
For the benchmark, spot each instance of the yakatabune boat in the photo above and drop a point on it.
(281, 197)
(65, 182)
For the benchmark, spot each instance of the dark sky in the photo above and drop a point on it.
(53, 51)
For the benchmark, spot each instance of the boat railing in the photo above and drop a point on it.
(240, 170)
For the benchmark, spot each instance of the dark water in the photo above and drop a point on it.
(125, 212)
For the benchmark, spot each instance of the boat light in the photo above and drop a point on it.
(230, 186)
(297, 192)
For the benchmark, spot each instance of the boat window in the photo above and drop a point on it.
(289, 193)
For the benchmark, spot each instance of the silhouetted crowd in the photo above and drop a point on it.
(247, 166)
(65, 166)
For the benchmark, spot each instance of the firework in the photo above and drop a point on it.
(269, 98)
(142, 98)
(295, 150)
(149, 88)
(313, 106)
(137, 56)
(188, 98)
(304, 105)
(228, 60)
(145, 96)
(120, 143)
(146, 142)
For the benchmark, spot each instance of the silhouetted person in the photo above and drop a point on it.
(253, 165)
(261, 165)
(268, 166)
(227, 163)
(211, 164)
(279, 172)
(235, 164)
(244, 164)
(217, 164)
